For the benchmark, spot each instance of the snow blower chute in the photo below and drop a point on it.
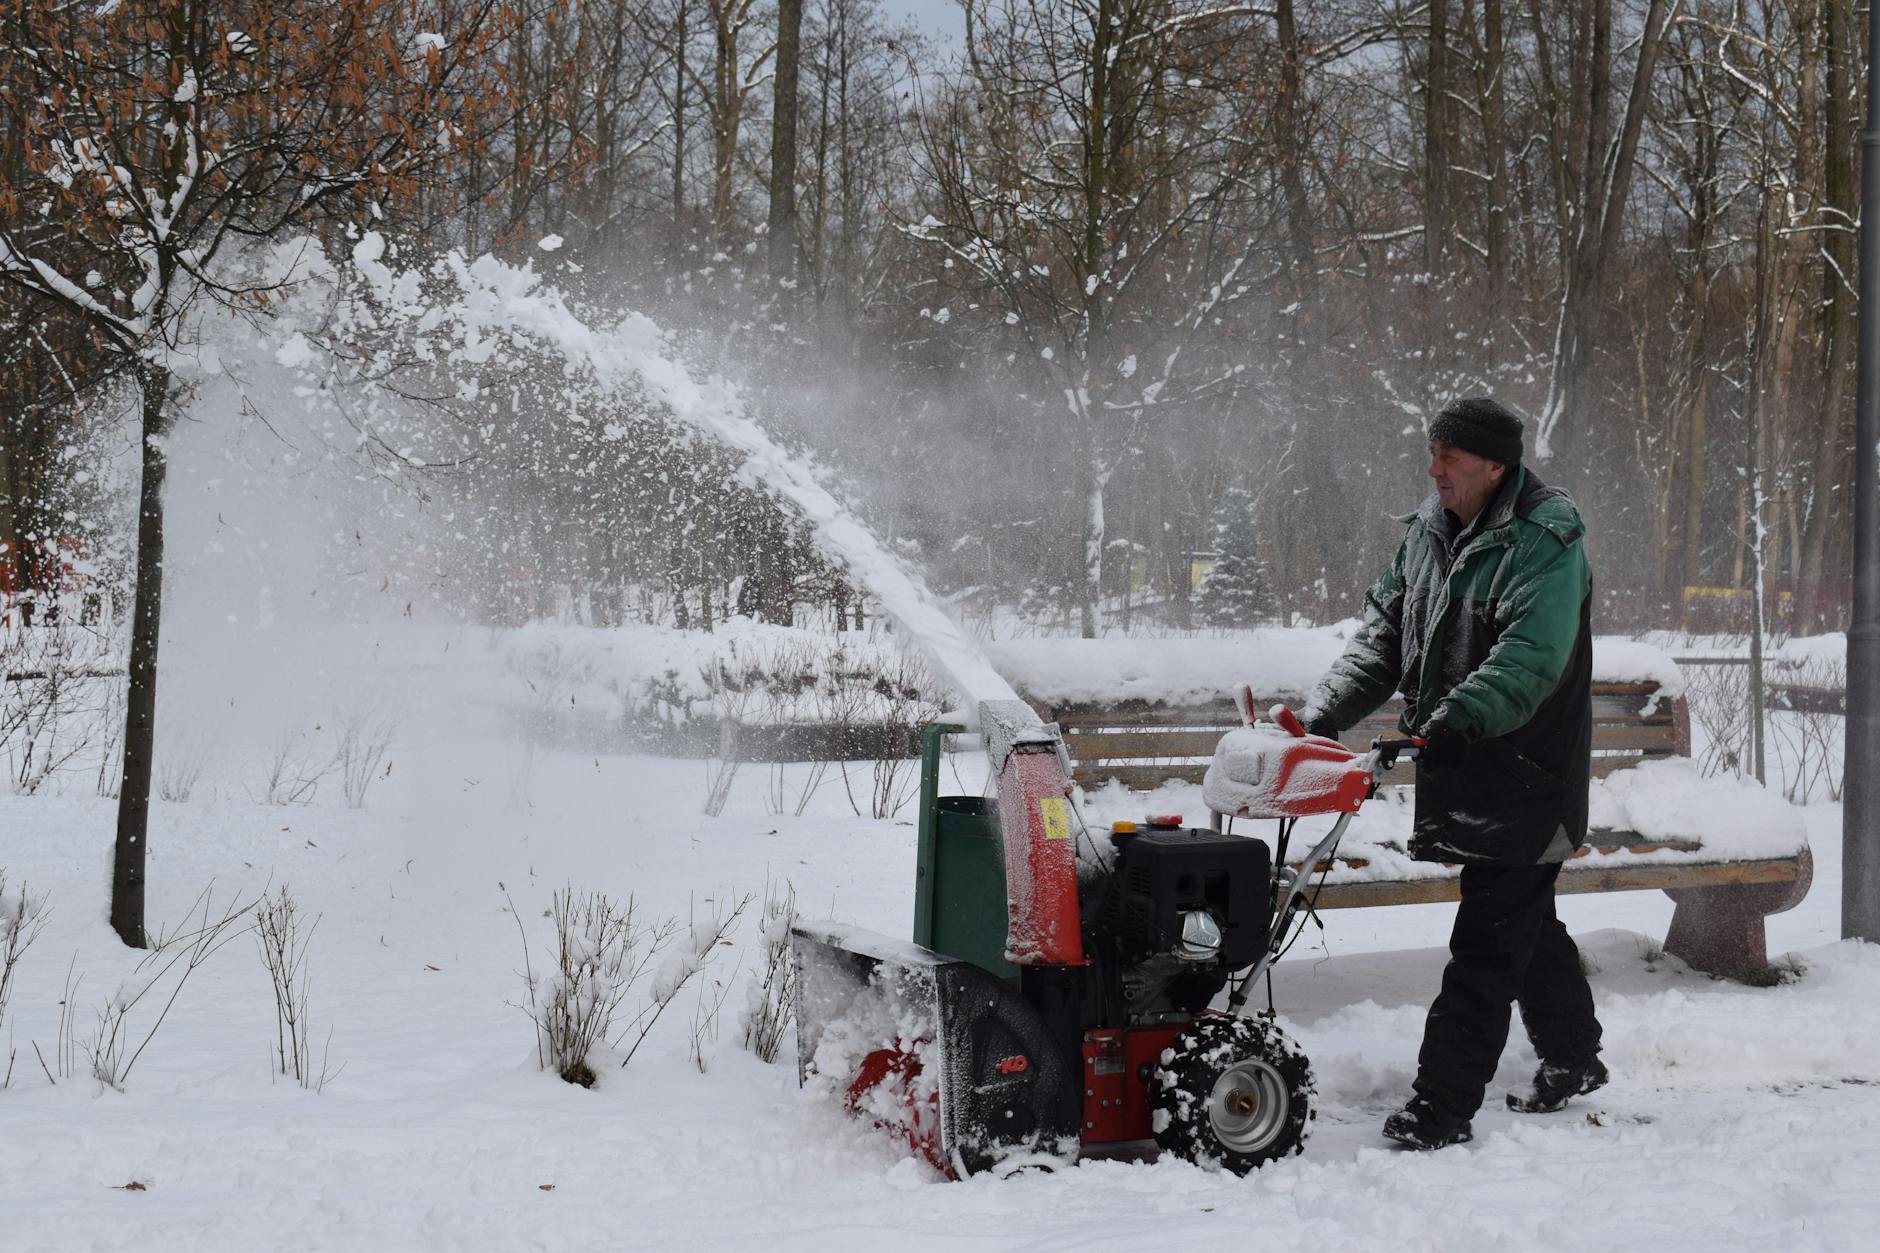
(1080, 1017)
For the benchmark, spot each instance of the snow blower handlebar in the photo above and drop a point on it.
(1294, 792)
(1386, 752)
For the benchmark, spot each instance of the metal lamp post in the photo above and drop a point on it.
(1860, 832)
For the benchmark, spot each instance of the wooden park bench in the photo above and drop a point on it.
(1717, 925)
(1808, 698)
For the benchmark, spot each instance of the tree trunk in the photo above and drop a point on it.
(1437, 225)
(1101, 68)
(1841, 197)
(1494, 95)
(849, 193)
(12, 567)
(677, 256)
(1694, 478)
(819, 222)
(727, 107)
(1090, 603)
(1559, 148)
(140, 709)
(782, 222)
(1288, 117)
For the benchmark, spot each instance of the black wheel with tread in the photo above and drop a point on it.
(1234, 1093)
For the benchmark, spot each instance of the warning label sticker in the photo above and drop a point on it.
(1056, 812)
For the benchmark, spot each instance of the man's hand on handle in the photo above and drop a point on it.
(1443, 746)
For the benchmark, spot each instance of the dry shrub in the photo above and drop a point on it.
(694, 953)
(158, 979)
(22, 918)
(600, 952)
(772, 1007)
(282, 941)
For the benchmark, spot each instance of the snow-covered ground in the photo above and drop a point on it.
(1737, 1117)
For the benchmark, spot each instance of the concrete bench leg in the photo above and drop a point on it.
(1719, 930)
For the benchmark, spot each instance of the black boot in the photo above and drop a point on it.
(1422, 1125)
(1554, 1086)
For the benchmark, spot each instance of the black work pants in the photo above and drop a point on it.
(1508, 947)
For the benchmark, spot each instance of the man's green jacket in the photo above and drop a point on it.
(1488, 631)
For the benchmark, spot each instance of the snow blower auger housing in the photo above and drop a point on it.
(1056, 999)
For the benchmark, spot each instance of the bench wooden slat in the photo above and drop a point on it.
(1143, 744)
(1648, 688)
(1636, 735)
(1598, 840)
(1603, 766)
(1139, 778)
(1612, 702)
(1609, 736)
(1573, 879)
(1148, 778)
(1625, 710)
(1221, 720)
(1187, 741)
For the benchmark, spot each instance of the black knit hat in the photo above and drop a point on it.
(1479, 425)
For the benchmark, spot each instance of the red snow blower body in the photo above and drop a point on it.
(1057, 998)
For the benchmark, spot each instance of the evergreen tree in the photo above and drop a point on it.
(1237, 589)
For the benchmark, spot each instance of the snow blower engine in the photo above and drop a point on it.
(1059, 996)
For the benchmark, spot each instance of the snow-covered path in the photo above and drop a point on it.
(1737, 1118)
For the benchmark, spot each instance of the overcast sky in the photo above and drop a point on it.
(937, 17)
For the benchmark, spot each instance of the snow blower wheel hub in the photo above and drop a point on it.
(1248, 1106)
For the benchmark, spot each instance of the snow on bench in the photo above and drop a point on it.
(1727, 851)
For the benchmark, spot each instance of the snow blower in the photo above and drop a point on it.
(1082, 1019)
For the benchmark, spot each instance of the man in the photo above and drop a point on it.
(1483, 623)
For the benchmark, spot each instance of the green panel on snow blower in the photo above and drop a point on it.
(959, 882)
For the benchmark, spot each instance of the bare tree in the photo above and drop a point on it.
(158, 138)
(725, 85)
(1594, 157)
(1088, 175)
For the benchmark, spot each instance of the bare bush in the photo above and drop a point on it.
(22, 918)
(159, 979)
(721, 769)
(789, 792)
(283, 941)
(550, 672)
(793, 678)
(114, 699)
(1808, 733)
(180, 766)
(901, 701)
(51, 704)
(705, 1014)
(772, 1006)
(1718, 697)
(363, 737)
(735, 687)
(1803, 738)
(293, 765)
(600, 952)
(65, 1047)
(693, 954)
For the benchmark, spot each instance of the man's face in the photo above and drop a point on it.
(1464, 481)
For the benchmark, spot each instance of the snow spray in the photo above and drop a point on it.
(499, 299)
